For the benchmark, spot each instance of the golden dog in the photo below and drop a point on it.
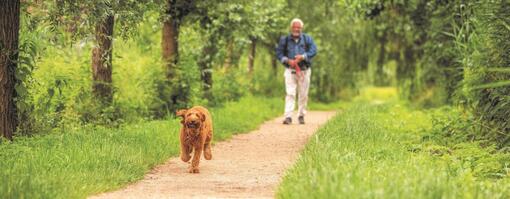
(196, 135)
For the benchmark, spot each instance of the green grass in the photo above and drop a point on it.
(375, 95)
(377, 150)
(88, 160)
(318, 106)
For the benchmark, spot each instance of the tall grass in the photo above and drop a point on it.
(375, 150)
(75, 163)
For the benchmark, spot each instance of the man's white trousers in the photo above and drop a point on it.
(292, 84)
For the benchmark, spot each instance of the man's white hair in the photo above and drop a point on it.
(297, 20)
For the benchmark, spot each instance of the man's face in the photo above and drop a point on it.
(296, 29)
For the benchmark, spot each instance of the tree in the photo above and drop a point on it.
(264, 27)
(173, 17)
(9, 36)
(222, 21)
(251, 57)
(209, 50)
(102, 60)
(100, 20)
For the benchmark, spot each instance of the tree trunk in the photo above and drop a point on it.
(274, 64)
(230, 53)
(102, 61)
(251, 57)
(9, 33)
(205, 64)
(272, 54)
(170, 45)
(380, 78)
(171, 93)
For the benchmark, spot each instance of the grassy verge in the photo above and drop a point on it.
(384, 150)
(77, 163)
(381, 94)
(318, 106)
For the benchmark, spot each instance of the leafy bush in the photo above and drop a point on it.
(486, 79)
(455, 135)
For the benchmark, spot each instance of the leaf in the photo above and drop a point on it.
(502, 70)
(51, 92)
(492, 85)
(21, 90)
(505, 24)
(448, 34)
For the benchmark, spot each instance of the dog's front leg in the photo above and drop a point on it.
(207, 147)
(185, 148)
(196, 157)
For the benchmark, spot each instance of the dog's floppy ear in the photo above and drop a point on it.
(202, 116)
(181, 113)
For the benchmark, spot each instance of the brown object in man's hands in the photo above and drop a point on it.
(294, 64)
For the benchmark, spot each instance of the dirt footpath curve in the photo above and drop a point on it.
(247, 166)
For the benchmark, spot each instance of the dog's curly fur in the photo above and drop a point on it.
(196, 135)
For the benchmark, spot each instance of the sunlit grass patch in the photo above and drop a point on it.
(378, 94)
(374, 95)
(313, 105)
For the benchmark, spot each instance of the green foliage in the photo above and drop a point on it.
(185, 87)
(79, 18)
(56, 92)
(59, 87)
(77, 162)
(453, 52)
(485, 89)
(266, 81)
(28, 55)
(451, 126)
(229, 86)
(454, 135)
(435, 52)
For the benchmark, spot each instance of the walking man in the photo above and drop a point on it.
(296, 51)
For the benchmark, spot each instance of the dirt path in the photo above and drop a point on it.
(247, 166)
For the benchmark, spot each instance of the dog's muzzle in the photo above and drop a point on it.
(192, 125)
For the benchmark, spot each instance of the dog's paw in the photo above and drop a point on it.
(194, 170)
(185, 158)
(207, 156)
(208, 153)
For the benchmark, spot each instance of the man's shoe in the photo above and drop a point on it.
(301, 119)
(287, 120)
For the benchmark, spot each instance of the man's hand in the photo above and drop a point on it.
(292, 62)
(299, 58)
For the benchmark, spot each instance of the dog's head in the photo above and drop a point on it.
(191, 118)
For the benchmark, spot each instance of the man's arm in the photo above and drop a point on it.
(312, 49)
(280, 51)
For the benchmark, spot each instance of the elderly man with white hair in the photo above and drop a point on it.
(296, 51)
